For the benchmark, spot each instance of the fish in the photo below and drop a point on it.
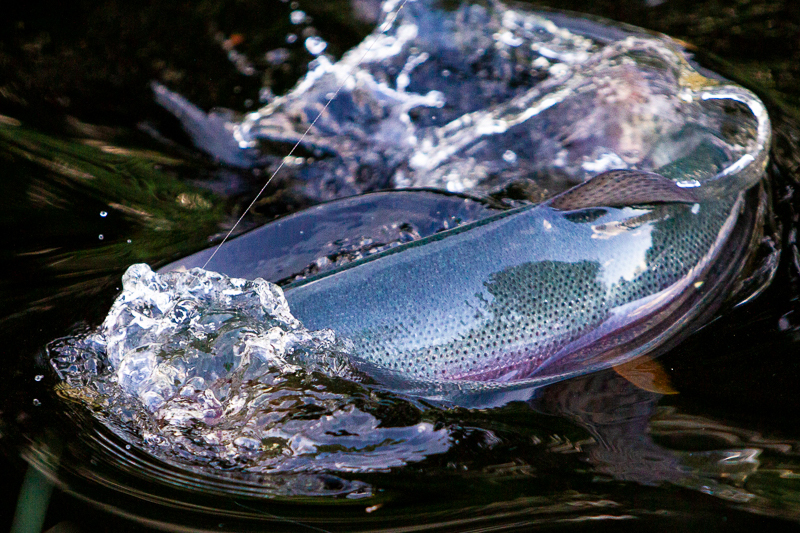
(622, 265)
(539, 293)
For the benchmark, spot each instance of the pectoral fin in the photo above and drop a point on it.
(620, 188)
(647, 374)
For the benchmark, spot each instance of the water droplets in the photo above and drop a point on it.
(226, 325)
(510, 157)
(277, 57)
(214, 359)
(297, 17)
(315, 45)
(385, 26)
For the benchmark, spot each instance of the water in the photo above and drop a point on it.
(589, 452)
(216, 371)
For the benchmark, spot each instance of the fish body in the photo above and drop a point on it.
(622, 265)
(540, 292)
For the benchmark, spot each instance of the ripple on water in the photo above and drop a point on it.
(208, 383)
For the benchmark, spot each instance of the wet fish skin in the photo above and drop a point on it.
(538, 293)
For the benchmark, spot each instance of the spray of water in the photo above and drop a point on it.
(384, 28)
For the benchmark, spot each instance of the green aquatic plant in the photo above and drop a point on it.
(87, 209)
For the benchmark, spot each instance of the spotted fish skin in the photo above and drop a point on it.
(540, 292)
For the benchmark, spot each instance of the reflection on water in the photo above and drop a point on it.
(592, 450)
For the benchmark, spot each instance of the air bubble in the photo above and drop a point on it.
(103, 214)
(39, 377)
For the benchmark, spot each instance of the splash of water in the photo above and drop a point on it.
(217, 369)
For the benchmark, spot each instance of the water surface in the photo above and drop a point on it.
(594, 450)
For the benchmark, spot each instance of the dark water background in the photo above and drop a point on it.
(76, 71)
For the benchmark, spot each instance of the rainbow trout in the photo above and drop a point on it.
(616, 267)
(607, 271)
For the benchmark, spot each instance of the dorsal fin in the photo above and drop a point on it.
(620, 188)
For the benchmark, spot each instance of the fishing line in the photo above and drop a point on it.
(385, 27)
(282, 519)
